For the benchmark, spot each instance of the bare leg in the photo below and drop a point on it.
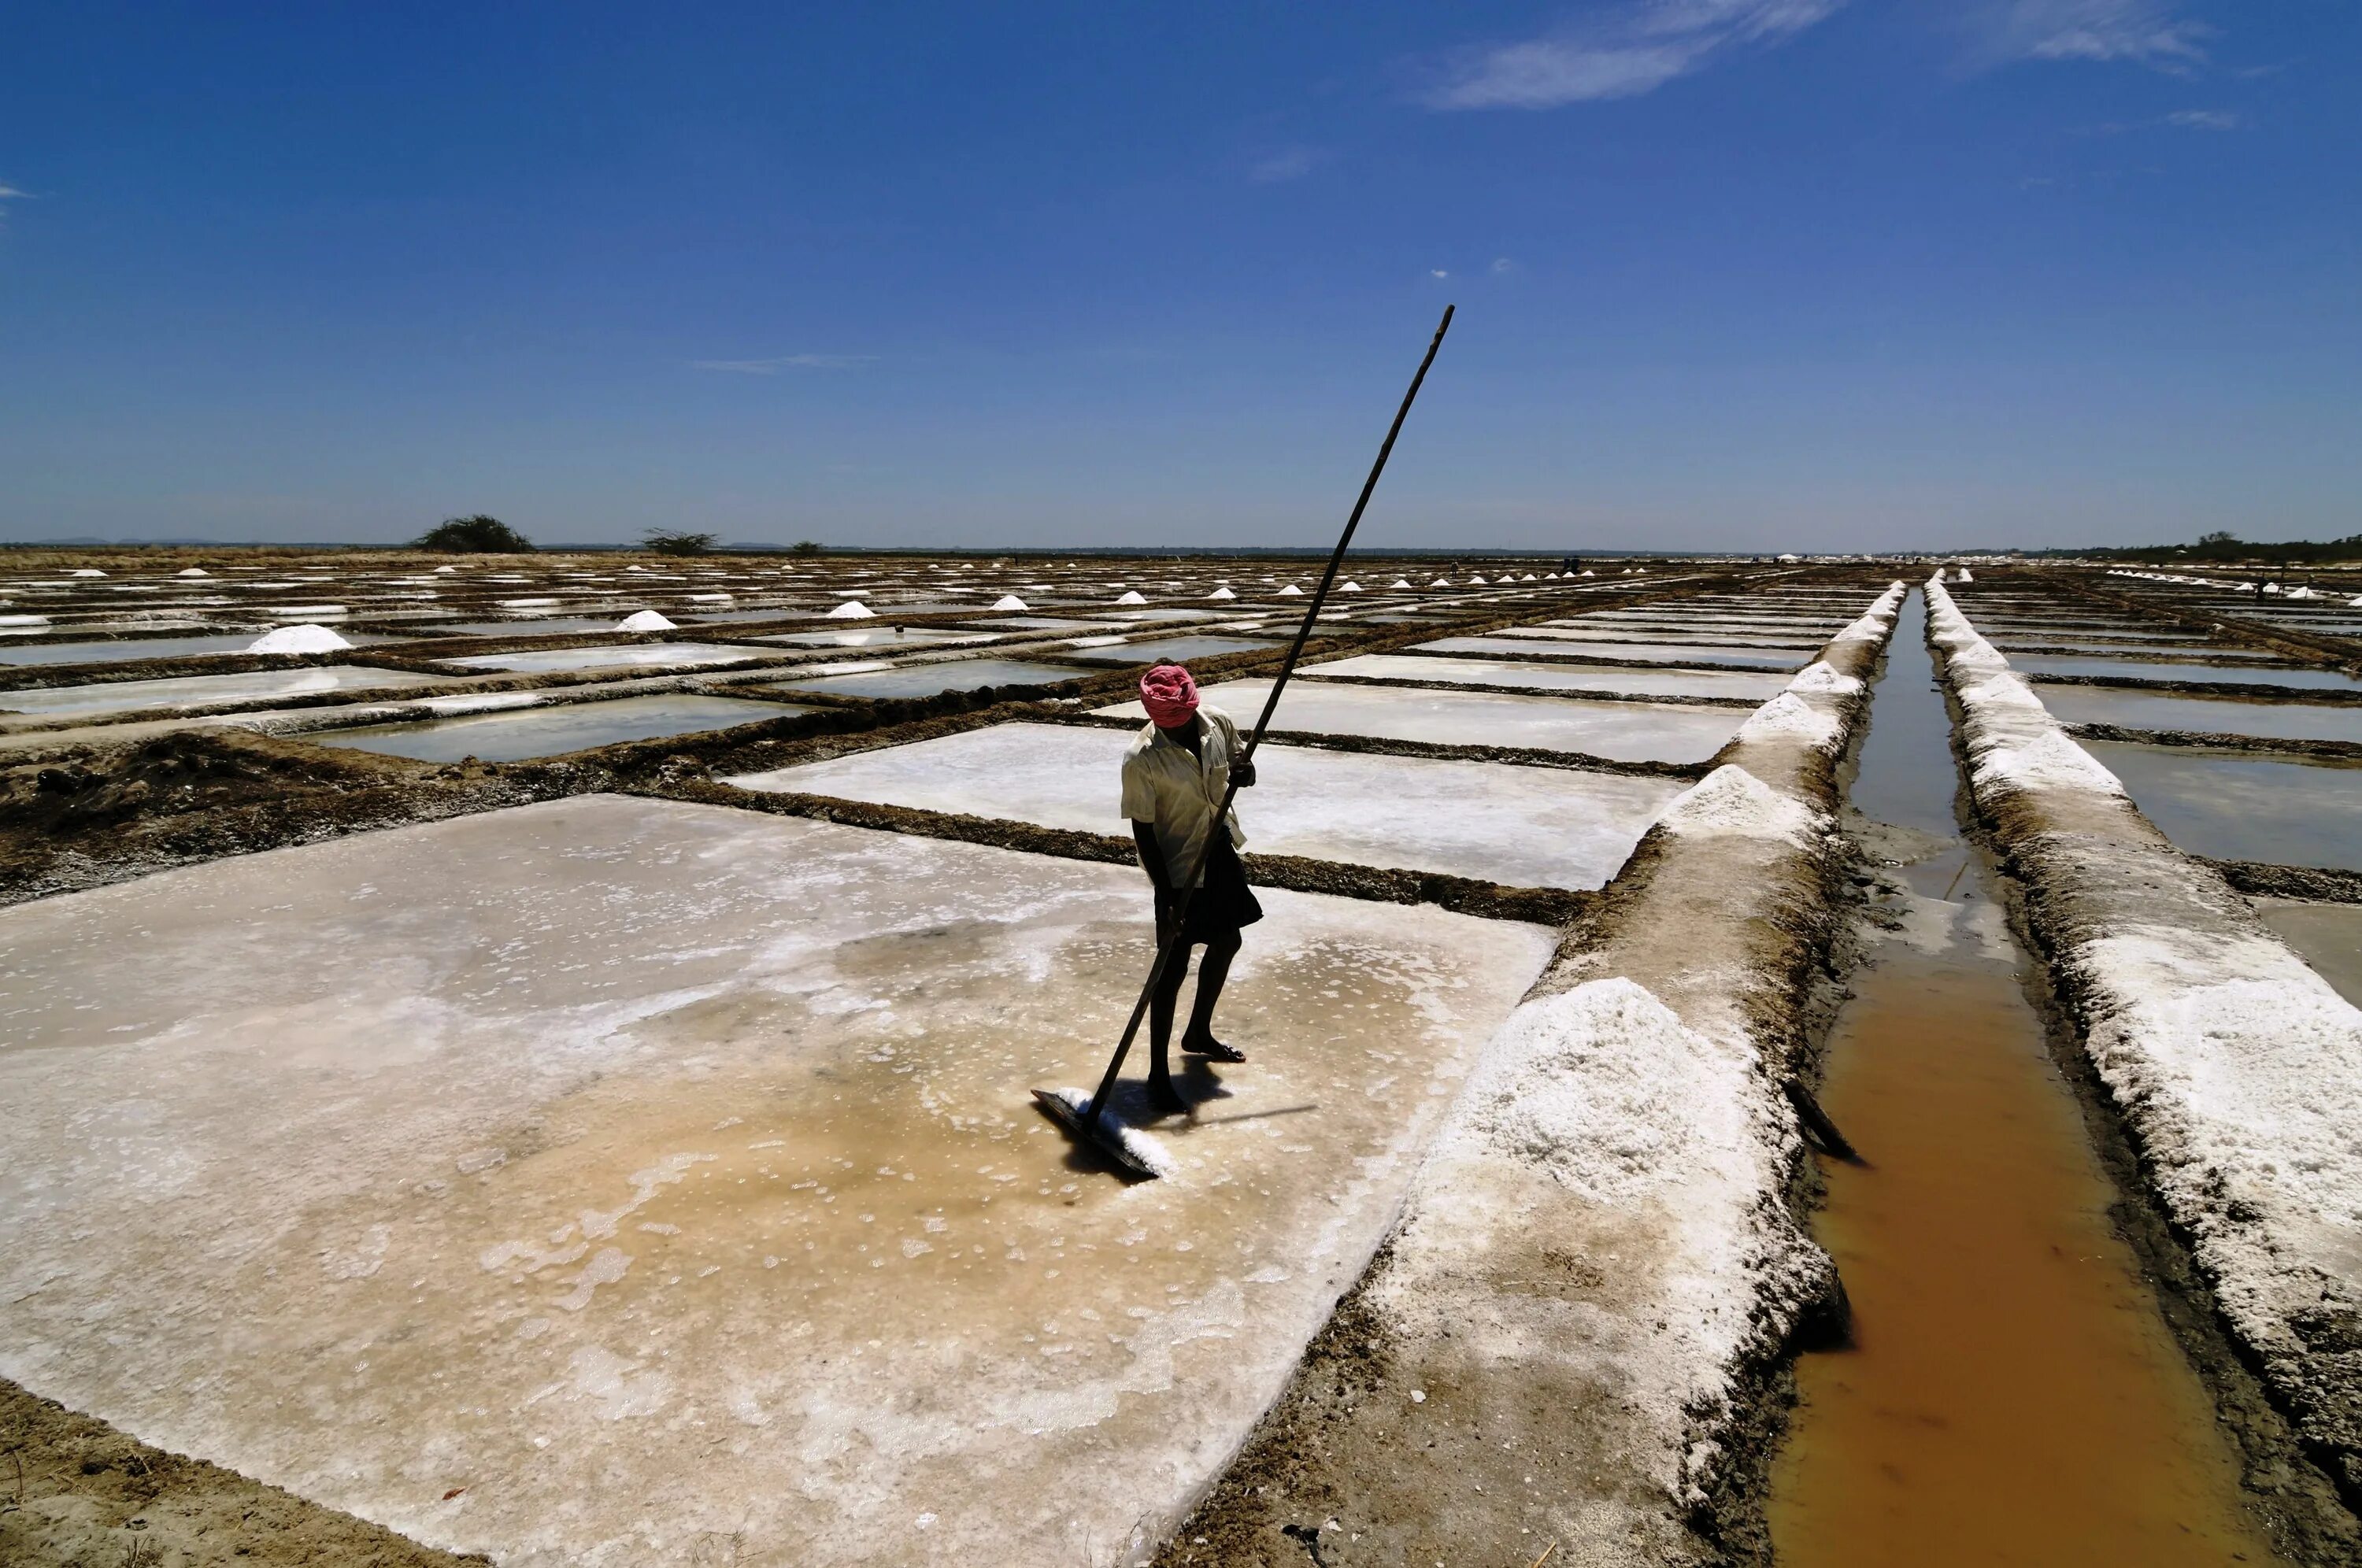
(1212, 972)
(1161, 1004)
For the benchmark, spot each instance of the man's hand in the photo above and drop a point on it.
(1243, 773)
(1165, 905)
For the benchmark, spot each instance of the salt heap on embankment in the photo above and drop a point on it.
(299, 639)
(1598, 1269)
(2237, 1069)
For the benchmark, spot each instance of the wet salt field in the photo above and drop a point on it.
(1521, 826)
(554, 729)
(204, 691)
(619, 1135)
(926, 679)
(687, 1146)
(1549, 677)
(690, 1148)
(1627, 732)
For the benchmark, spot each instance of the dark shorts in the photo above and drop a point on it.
(1225, 903)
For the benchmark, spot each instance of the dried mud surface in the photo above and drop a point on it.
(75, 1493)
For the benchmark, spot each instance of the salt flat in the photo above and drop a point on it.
(621, 657)
(204, 691)
(1627, 732)
(1553, 676)
(1549, 827)
(616, 1182)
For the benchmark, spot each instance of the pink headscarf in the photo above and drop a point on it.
(1169, 694)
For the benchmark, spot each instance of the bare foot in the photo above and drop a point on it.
(1212, 1049)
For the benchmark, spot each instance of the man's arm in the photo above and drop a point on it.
(1152, 860)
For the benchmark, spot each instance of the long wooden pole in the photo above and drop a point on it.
(1171, 946)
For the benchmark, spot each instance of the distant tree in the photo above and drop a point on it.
(478, 535)
(806, 547)
(677, 542)
(2219, 536)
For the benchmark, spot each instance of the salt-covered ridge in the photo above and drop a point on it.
(2236, 1068)
(1569, 1335)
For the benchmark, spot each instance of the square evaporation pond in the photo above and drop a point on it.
(1554, 677)
(1649, 652)
(2204, 715)
(873, 637)
(553, 729)
(208, 691)
(1176, 649)
(644, 1114)
(1625, 731)
(632, 656)
(2284, 811)
(127, 649)
(1551, 827)
(2036, 665)
(928, 679)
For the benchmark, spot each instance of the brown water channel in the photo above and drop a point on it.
(2012, 1393)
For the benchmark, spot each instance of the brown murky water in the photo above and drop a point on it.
(2013, 1395)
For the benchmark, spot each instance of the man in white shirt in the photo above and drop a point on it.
(1173, 778)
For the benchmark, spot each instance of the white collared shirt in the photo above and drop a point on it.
(1176, 793)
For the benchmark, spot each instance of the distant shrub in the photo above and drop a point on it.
(677, 542)
(806, 547)
(478, 535)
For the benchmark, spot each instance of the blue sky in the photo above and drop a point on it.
(1794, 274)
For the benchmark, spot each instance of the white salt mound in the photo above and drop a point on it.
(1350, 588)
(86, 571)
(1399, 582)
(1441, 582)
(1731, 802)
(852, 610)
(452, 569)
(1009, 601)
(645, 620)
(1291, 591)
(304, 638)
(1221, 593)
(1131, 597)
(198, 571)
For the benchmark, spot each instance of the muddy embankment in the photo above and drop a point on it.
(1575, 1333)
(2233, 1069)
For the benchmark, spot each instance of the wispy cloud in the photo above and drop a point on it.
(2144, 32)
(774, 365)
(2206, 119)
(1287, 163)
(1502, 264)
(1630, 52)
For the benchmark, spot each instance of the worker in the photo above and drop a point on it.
(1174, 778)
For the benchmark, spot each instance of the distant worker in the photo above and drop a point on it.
(1173, 778)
